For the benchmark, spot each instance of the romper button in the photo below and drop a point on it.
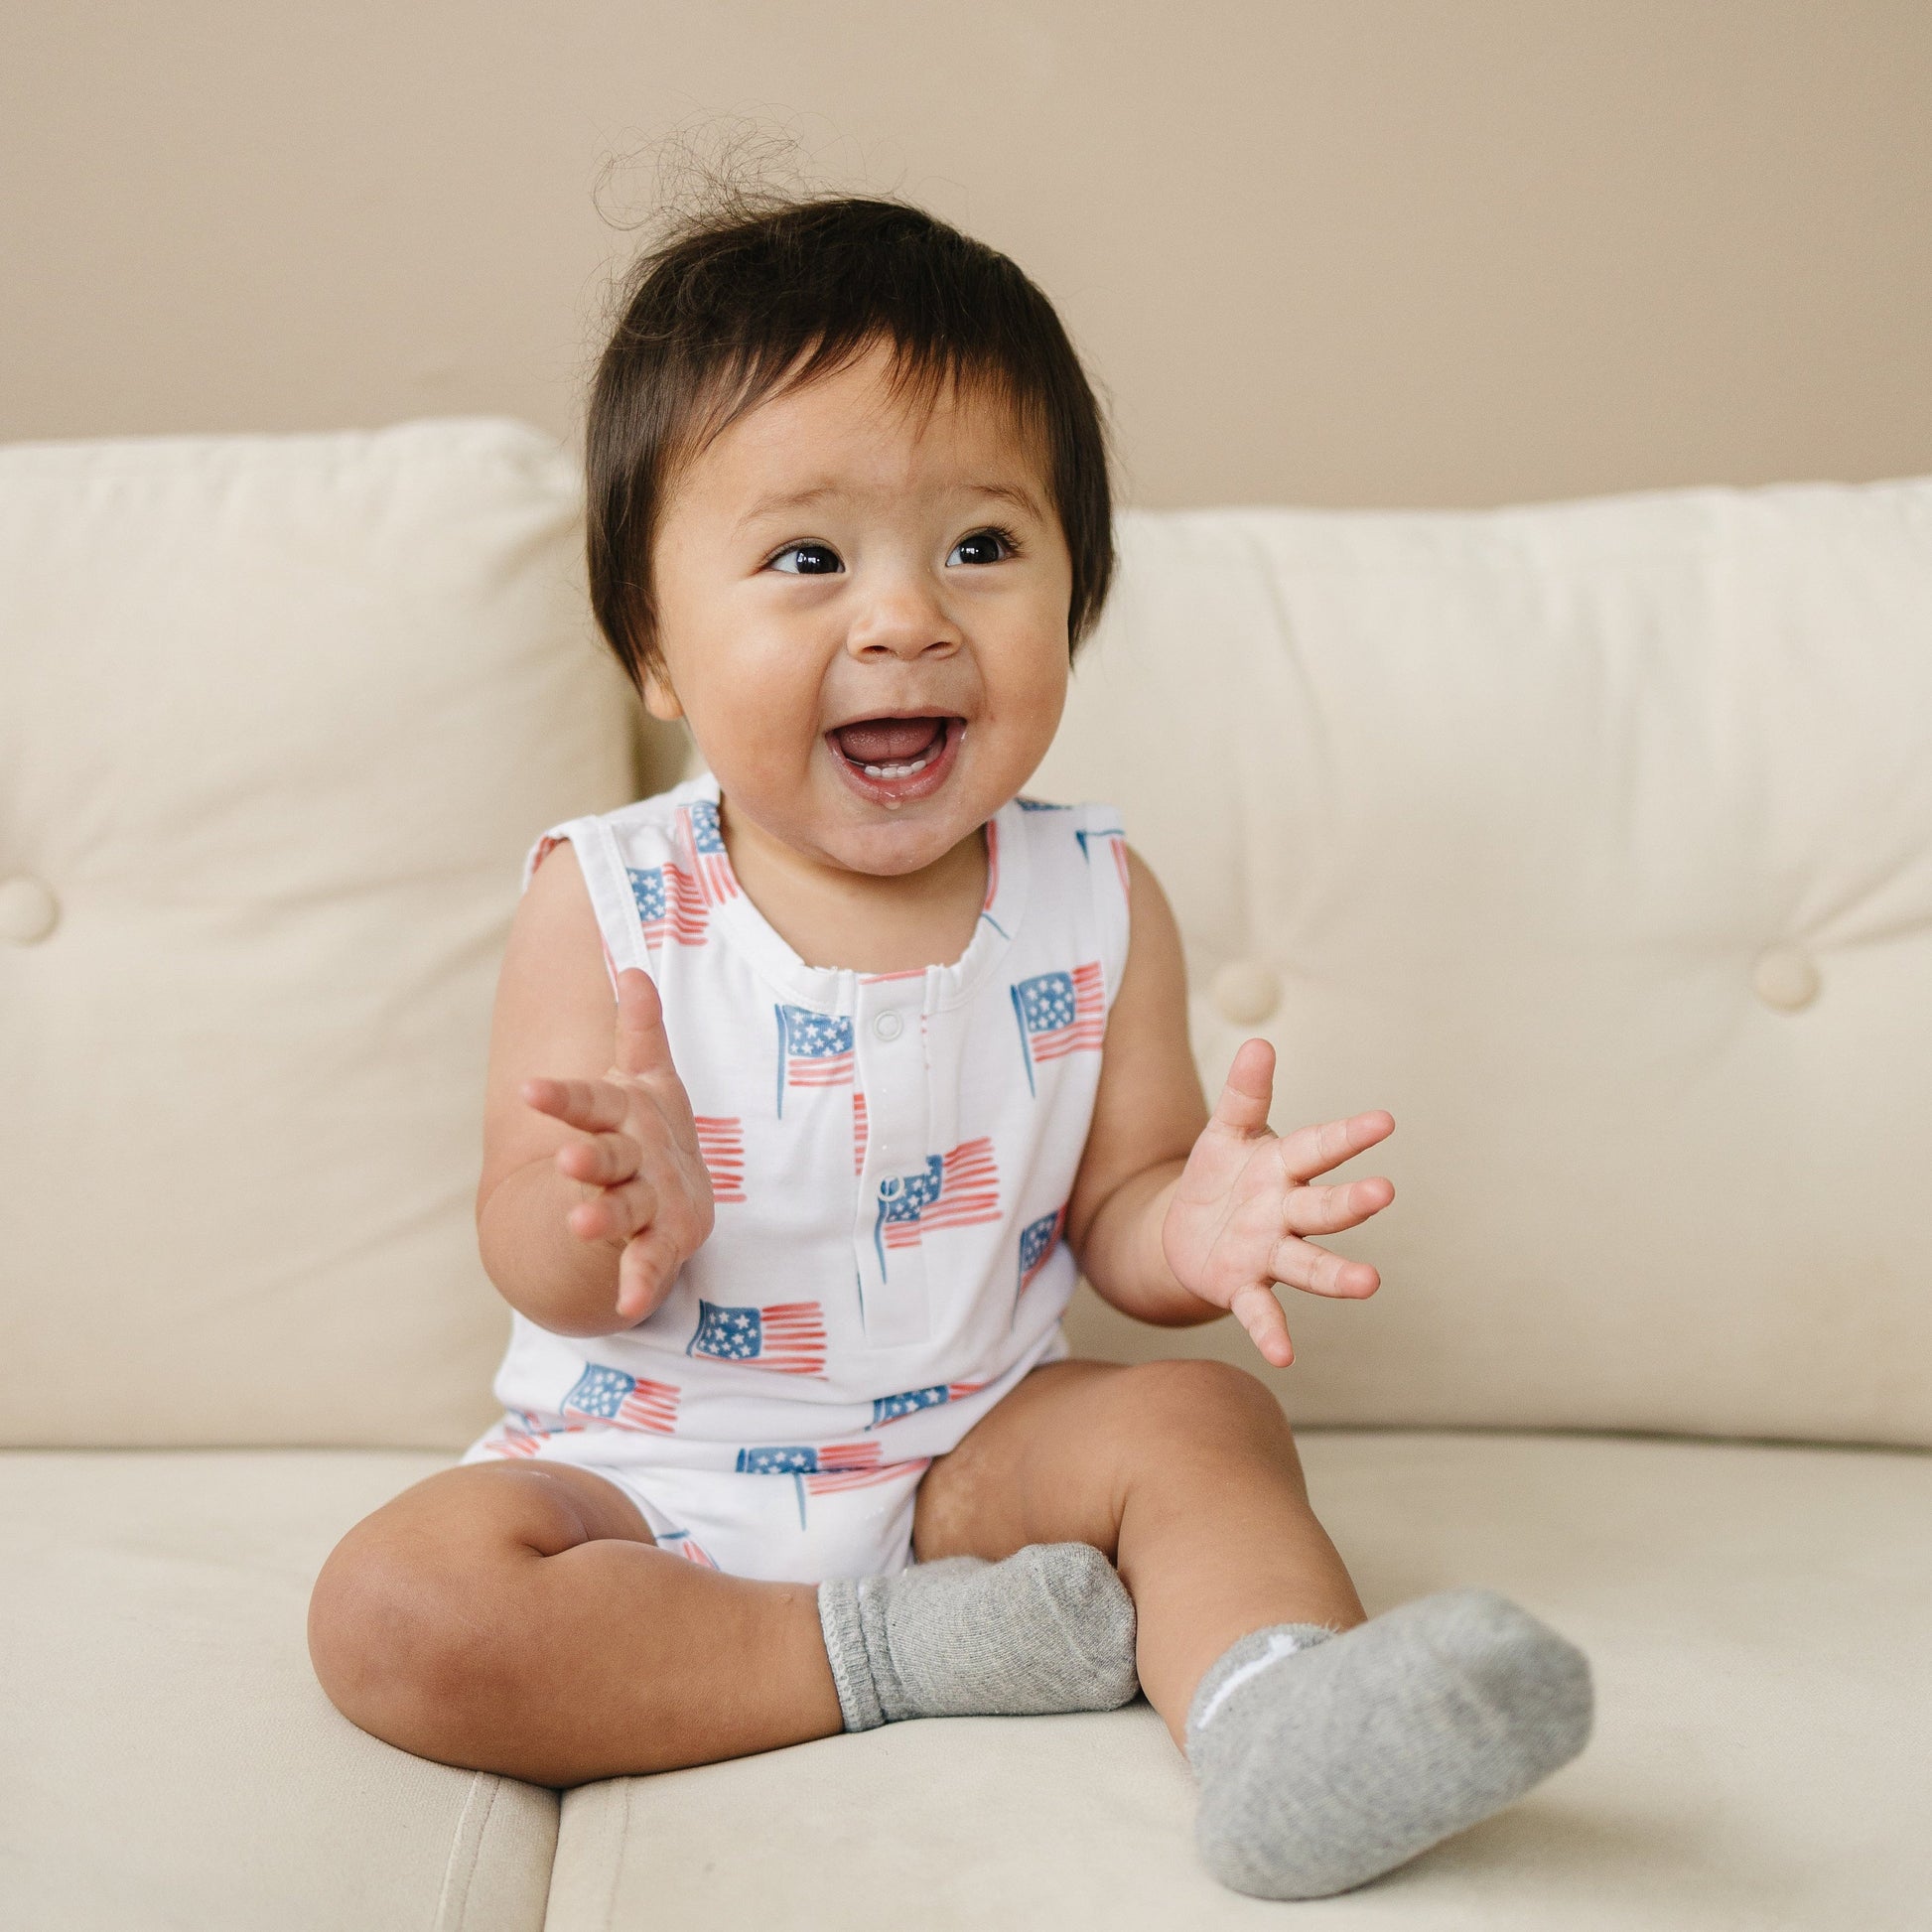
(1246, 991)
(888, 1026)
(28, 911)
(1785, 978)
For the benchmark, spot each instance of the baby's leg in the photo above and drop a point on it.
(517, 1618)
(1329, 1749)
(1184, 1472)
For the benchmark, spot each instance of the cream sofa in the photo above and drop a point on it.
(1593, 840)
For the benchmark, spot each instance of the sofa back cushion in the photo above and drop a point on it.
(278, 716)
(1595, 841)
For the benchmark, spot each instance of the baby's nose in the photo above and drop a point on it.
(903, 621)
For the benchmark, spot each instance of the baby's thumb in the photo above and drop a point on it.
(643, 1045)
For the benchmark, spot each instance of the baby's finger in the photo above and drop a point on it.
(615, 1215)
(1327, 1210)
(643, 1046)
(1258, 1312)
(1243, 1105)
(1301, 1264)
(604, 1161)
(1310, 1151)
(642, 1269)
(594, 1105)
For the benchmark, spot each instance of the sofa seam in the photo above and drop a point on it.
(453, 1905)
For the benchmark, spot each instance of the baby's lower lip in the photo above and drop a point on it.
(893, 785)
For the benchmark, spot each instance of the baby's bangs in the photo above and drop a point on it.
(918, 377)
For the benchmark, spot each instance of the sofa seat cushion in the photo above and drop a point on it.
(170, 1758)
(1757, 1618)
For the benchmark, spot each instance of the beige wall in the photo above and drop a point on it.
(1333, 251)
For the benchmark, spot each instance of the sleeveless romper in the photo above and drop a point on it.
(891, 1157)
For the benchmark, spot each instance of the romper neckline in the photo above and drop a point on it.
(835, 989)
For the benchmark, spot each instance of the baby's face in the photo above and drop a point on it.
(862, 613)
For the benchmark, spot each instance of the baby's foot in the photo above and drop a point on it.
(1325, 1760)
(1050, 1628)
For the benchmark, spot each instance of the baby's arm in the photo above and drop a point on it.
(594, 1191)
(1177, 1217)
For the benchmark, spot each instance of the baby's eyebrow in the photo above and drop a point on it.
(796, 499)
(1009, 493)
(791, 499)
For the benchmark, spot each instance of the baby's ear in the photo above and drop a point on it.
(659, 699)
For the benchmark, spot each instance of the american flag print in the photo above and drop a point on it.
(610, 1395)
(816, 1471)
(682, 1543)
(704, 843)
(814, 1051)
(785, 1337)
(524, 1434)
(1117, 844)
(721, 1144)
(669, 906)
(1038, 1240)
(1060, 1013)
(857, 1131)
(895, 1408)
(952, 1190)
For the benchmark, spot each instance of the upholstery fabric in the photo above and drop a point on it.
(172, 1761)
(1755, 1616)
(1595, 841)
(278, 716)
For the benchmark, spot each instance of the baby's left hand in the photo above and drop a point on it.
(1233, 1228)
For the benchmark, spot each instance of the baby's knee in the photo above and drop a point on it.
(1192, 1397)
(398, 1644)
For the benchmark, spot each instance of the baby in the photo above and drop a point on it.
(816, 1082)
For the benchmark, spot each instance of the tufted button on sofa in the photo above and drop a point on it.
(1593, 840)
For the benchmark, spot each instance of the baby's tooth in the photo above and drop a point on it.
(894, 771)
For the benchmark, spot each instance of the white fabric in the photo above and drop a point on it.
(1595, 841)
(891, 1157)
(276, 717)
(171, 1760)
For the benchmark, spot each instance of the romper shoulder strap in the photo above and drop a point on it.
(1080, 853)
(623, 856)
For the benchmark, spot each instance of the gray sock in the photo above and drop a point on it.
(1050, 1628)
(1325, 1760)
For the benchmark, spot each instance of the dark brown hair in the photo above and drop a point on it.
(763, 295)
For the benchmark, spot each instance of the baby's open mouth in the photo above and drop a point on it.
(893, 761)
(891, 747)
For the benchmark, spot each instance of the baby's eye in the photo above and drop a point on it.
(983, 547)
(806, 560)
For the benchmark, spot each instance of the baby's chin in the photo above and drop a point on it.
(837, 831)
(909, 841)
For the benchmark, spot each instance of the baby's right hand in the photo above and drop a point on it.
(642, 1151)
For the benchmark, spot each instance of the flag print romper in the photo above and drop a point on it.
(891, 1157)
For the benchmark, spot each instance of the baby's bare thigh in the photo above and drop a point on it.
(1043, 1466)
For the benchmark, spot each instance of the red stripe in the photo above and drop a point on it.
(833, 1070)
(651, 1406)
(721, 1144)
(858, 1478)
